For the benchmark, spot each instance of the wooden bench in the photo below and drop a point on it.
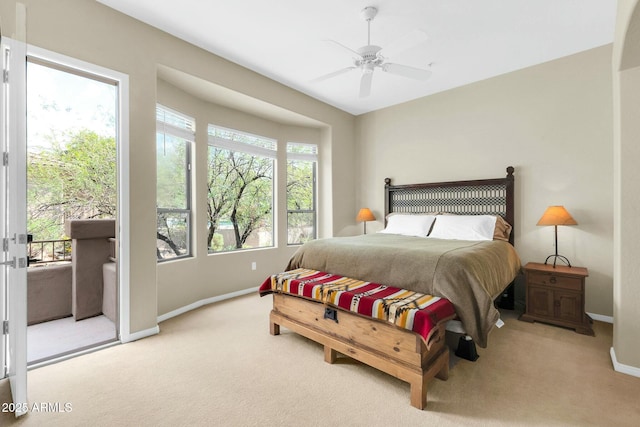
(399, 352)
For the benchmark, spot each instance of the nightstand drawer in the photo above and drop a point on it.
(557, 281)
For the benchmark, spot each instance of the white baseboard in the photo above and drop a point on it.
(205, 301)
(601, 318)
(624, 369)
(140, 334)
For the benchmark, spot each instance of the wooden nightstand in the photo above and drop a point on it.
(556, 296)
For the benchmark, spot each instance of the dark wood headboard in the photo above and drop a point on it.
(475, 197)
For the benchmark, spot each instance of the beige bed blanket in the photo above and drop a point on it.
(470, 274)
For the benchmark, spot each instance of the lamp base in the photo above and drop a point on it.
(555, 258)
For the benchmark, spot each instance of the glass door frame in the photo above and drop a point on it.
(97, 72)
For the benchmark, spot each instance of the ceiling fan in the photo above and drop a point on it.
(369, 57)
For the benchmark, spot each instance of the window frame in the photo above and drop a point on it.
(188, 136)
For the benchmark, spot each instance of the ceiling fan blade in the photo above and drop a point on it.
(406, 71)
(365, 84)
(344, 48)
(406, 42)
(333, 74)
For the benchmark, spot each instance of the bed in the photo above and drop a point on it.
(474, 275)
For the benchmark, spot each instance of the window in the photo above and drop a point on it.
(240, 190)
(174, 135)
(301, 192)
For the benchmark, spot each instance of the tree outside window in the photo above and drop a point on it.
(75, 179)
(240, 190)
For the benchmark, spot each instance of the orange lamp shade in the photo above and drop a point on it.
(556, 215)
(365, 214)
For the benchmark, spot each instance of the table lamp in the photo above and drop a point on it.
(557, 215)
(365, 215)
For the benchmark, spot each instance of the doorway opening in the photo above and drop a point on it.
(72, 212)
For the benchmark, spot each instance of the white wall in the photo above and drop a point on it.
(552, 122)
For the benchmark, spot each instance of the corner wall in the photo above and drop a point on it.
(626, 88)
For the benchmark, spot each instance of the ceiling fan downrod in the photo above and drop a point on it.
(368, 13)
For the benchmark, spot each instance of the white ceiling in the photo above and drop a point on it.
(468, 40)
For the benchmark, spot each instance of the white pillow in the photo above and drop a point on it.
(409, 225)
(464, 227)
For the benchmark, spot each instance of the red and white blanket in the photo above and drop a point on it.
(410, 310)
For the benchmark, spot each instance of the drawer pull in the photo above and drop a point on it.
(552, 279)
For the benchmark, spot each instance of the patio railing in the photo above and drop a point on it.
(47, 251)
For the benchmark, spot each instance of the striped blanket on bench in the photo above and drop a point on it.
(410, 310)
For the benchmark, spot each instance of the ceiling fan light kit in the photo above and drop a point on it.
(368, 58)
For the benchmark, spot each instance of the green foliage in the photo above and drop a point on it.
(217, 244)
(78, 180)
(300, 176)
(70, 181)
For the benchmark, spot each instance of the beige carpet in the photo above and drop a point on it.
(218, 366)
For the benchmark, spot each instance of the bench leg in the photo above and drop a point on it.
(274, 328)
(330, 355)
(439, 369)
(443, 373)
(419, 394)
